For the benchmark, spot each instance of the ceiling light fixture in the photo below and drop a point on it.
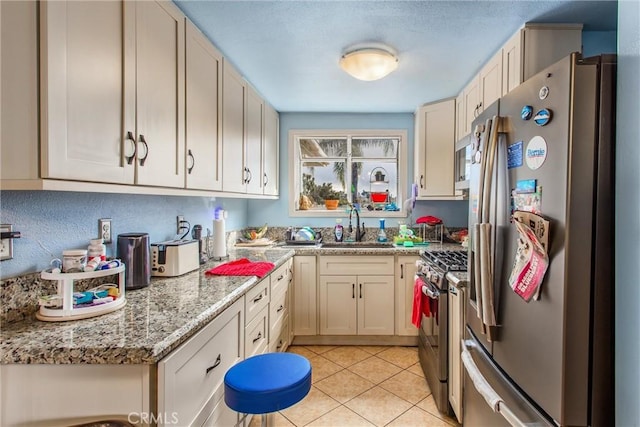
(369, 62)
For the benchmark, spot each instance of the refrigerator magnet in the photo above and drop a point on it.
(514, 155)
(536, 152)
(544, 92)
(526, 112)
(542, 117)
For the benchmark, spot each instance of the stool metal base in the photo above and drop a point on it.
(266, 420)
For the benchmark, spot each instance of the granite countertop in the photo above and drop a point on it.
(155, 320)
(158, 318)
(458, 278)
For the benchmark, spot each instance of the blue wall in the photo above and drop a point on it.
(627, 351)
(276, 212)
(52, 221)
(597, 42)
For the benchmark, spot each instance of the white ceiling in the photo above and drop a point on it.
(289, 50)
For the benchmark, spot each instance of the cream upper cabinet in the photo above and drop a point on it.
(460, 117)
(116, 116)
(471, 95)
(434, 150)
(270, 151)
(234, 173)
(253, 141)
(405, 280)
(490, 80)
(203, 75)
(304, 295)
(512, 63)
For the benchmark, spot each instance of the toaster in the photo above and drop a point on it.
(174, 257)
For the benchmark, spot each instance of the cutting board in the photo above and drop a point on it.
(257, 242)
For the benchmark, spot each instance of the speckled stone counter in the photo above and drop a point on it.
(458, 278)
(351, 249)
(155, 321)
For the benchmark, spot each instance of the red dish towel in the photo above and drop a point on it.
(242, 267)
(420, 303)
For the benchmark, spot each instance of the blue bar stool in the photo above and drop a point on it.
(267, 383)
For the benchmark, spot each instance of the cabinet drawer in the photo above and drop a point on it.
(190, 378)
(255, 300)
(343, 265)
(255, 335)
(278, 309)
(281, 342)
(280, 278)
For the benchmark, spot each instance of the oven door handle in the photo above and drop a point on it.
(493, 399)
(431, 293)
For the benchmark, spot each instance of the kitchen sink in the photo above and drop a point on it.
(356, 245)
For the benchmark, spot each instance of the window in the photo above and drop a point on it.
(332, 170)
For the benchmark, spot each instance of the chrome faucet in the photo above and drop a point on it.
(359, 233)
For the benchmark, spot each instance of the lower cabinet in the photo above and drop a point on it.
(405, 280)
(190, 379)
(304, 295)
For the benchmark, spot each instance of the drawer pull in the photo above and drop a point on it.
(258, 337)
(402, 271)
(280, 278)
(215, 365)
(258, 298)
(360, 290)
(279, 346)
(280, 308)
(353, 290)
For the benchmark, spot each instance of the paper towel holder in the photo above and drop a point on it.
(219, 236)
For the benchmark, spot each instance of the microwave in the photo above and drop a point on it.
(462, 164)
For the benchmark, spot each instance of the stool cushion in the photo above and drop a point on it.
(267, 383)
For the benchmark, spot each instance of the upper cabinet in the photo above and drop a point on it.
(434, 149)
(270, 151)
(234, 170)
(490, 81)
(116, 116)
(253, 140)
(203, 112)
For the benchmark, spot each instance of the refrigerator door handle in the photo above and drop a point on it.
(493, 399)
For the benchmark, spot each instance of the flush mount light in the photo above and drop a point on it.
(369, 63)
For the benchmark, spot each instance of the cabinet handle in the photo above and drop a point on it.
(353, 290)
(280, 277)
(279, 346)
(258, 337)
(421, 178)
(258, 298)
(360, 290)
(280, 308)
(215, 364)
(146, 150)
(402, 271)
(265, 180)
(193, 161)
(250, 175)
(135, 148)
(246, 176)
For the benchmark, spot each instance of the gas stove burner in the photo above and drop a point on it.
(446, 260)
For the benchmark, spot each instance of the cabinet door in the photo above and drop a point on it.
(491, 81)
(512, 63)
(405, 279)
(338, 305)
(435, 147)
(86, 96)
(456, 333)
(375, 296)
(304, 296)
(253, 142)
(270, 147)
(460, 117)
(203, 101)
(471, 95)
(233, 102)
(160, 94)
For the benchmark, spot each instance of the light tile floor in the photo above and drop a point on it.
(363, 386)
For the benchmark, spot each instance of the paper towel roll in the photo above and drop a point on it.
(219, 239)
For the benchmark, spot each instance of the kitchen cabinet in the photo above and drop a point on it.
(203, 73)
(116, 117)
(304, 295)
(234, 173)
(405, 280)
(190, 379)
(471, 97)
(456, 321)
(434, 150)
(490, 80)
(253, 142)
(270, 151)
(279, 307)
(356, 295)
(460, 117)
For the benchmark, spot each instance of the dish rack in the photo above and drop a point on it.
(65, 291)
(431, 233)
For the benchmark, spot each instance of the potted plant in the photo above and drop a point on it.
(330, 196)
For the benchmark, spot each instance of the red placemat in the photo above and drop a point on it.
(242, 267)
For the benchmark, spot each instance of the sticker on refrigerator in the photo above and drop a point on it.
(544, 92)
(536, 152)
(526, 186)
(514, 155)
(542, 117)
(527, 202)
(526, 112)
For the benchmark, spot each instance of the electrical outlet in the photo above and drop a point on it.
(6, 245)
(104, 229)
(179, 220)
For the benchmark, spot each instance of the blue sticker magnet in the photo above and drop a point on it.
(525, 186)
(527, 112)
(542, 117)
(514, 155)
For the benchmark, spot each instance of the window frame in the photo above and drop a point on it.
(295, 169)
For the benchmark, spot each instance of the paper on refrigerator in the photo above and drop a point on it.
(530, 264)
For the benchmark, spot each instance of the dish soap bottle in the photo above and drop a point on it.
(382, 235)
(338, 230)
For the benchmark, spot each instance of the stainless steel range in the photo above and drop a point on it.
(433, 335)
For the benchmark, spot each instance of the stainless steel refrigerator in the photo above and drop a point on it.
(548, 361)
